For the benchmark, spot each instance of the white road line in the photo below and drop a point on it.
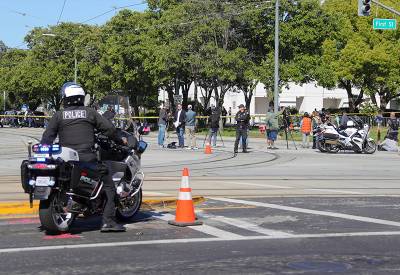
(258, 184)
(335, 191)
(196, 240)
(210, 230)
(310, 211)
(248, 226)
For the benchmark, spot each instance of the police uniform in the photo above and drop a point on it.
(75, 127)
(242, 120)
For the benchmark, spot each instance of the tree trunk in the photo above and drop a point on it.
(347, 86)
(170, 92)
(195, 95)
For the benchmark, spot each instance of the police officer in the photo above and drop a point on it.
(75, 126)
(242, 123)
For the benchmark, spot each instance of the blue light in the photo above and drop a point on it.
(41, 159)
(44, 149)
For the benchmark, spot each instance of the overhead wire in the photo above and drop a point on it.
(112, 10)
(62, 10)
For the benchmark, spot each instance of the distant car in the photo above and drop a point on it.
(39, 121)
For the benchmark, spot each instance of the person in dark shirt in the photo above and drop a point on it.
(75, 127)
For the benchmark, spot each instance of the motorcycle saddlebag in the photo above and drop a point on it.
(331, 138)
(85, 180)
(25, 177)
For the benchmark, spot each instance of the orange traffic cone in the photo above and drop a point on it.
(184, 207)
(208, 149)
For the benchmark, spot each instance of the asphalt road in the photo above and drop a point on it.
(267, 212)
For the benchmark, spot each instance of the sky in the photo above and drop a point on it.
(18, 17)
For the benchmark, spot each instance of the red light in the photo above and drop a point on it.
(84, 174)
(40, 166)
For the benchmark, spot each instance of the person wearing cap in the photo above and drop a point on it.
(75, 127)
(272, 124)
(190, 128)
(242, 123)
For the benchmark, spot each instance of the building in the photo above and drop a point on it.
(305, 98)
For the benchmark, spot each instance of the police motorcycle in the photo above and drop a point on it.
(354, 137)
(53, 175)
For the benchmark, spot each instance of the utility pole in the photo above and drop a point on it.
(4, 101)
(75, 67)
(276, 73)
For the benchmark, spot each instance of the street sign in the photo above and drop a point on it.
(384, 24)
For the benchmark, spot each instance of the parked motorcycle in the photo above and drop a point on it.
(354, 137)
(67, 188)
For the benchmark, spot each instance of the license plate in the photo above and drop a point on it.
(41, 155)
(43, 181)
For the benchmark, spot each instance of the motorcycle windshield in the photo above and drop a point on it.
(119, 103)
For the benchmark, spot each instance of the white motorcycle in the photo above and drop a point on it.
(351, 138)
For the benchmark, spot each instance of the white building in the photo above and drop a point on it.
(304, 98)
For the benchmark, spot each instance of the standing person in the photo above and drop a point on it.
(343, 121)
(305, 126)
(190, 127)
(179, 123)
(230, 114)
(379, 121)
(315, 123)
(272, 124)
(224, 113)
(2, 119)
(393, 127)
(242, 123)
(214, 126)
(162, 124)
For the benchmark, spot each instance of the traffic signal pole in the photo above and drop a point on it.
(386, 7)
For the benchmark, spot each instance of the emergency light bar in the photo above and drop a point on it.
(46, 149)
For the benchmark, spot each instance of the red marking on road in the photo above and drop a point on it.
(23, 221)
(62, 236)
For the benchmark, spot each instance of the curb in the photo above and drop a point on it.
(22, 208)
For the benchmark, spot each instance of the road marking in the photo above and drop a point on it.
(310, 211)
(247, 225)
(335, 191)
(210, 230)
(196, 240)
(258, 184)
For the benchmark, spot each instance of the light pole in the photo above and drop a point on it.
(276, 73)
(4, 101)
(75, 58)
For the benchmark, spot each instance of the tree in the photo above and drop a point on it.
(357, 57)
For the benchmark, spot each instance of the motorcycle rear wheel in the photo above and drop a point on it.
(52, 216)
(330, 148)
(126, 212)
(370, 147)
(321, 147)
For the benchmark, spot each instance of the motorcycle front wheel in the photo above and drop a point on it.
(52, 215)
(128, 207)
(370, 147)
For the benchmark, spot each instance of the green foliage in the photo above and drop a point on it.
(219, 45)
